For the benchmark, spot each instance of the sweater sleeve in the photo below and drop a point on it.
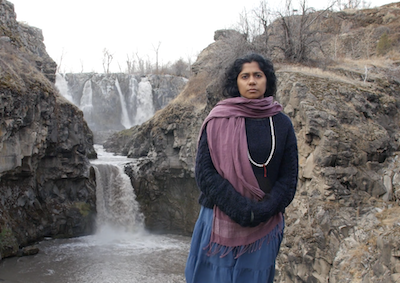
(284, 188)
(220, 191)
(286, 184)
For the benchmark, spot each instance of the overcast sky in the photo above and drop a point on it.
(79, 30)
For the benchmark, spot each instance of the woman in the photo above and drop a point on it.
(246, 169)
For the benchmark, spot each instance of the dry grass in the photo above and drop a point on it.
(352, 71)
(352, 263)
(317, 72)
(389, 216)
(18, 73)
(384, 62)
(194, 92)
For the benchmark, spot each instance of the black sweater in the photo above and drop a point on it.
(282, 173)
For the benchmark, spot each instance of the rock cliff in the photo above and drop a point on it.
(26, 39)
(344, 224)
(46, 184)
(348, 147)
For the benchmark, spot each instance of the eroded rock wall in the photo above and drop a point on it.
(348, 193)
(47, 188)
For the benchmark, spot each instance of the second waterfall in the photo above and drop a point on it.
(117, 208)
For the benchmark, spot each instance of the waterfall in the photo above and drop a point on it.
(125, 121)
(100, 96)
(133, 89)
(62, 86)
(86, 103)
(116, 203)
(145, 108)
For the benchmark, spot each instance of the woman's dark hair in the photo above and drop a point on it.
(231, 87)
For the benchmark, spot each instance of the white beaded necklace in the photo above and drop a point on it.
(272, 150)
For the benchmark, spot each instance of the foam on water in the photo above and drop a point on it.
(113, 254)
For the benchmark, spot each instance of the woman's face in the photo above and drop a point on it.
(251, 81)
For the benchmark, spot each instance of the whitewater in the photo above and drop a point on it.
(120, 251)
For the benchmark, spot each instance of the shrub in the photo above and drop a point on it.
(8, 243)
(384, 44)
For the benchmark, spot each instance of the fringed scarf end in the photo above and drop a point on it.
(221, 250)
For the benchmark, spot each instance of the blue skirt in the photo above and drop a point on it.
(254, 267)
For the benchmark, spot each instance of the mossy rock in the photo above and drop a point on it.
(84, 208)
(8, 243)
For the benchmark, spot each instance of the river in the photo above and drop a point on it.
(112, 254)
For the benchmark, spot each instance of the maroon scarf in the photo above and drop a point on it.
(228, 149)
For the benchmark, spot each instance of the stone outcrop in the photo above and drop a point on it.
(46, 184)
(344, 223)
(348, 141)
(332, 35)
(27, 39)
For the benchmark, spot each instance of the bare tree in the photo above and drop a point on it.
(189, 61)
(156, 49)
(299, 34)
(252, 25)
(244, 25)
(180, 68)
(140, 61)
(349, 4)
(61, 59)
(264, 16)
(130, 63)
(81, 61)
(107, 59)
(149, 67)
(165, 69)
(119, 67)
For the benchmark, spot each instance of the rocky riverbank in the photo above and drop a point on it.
(47, 186)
